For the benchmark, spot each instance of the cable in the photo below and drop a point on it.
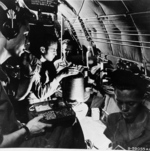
(79, 10)
(107, 24)
(122, 40)
(123, 58)
(119, 44)
(114, 15)
(94, 28)
(138, 13)
(121, 34)
(81, 7)
(112, 27)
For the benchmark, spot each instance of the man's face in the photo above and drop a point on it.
(16, 45)
(128, 102)
(67, 49)
(51, 53)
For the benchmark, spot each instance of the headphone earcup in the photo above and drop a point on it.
(8, 31)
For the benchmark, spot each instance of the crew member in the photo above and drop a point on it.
(129, 128)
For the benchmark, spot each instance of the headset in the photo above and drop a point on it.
(10, 27)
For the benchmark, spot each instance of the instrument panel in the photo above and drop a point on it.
(43, 5)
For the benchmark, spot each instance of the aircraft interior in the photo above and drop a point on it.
(106, 35)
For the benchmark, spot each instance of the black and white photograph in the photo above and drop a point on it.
(75, 74)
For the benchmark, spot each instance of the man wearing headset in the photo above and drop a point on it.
(12, 132)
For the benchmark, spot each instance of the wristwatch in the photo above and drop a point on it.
(27, 135)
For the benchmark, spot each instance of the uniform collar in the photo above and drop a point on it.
(135, 129)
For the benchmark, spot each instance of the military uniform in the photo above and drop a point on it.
(129, 136)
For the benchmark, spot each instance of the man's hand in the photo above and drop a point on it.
(67, 72)
(35, 126)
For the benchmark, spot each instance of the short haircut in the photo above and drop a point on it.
(48, 40)
(127, 80)
(68, 42)
(71, 43)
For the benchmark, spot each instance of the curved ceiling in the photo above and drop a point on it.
(120, 29)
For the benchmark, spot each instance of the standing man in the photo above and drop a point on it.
(13, 133)
(12, 41)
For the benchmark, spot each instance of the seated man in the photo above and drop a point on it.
(46, 80)
(129, 128)
(67, 53)
(93, 98)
